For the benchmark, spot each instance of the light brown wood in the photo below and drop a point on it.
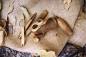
(41, 20)
(33, 17)
(43, 14)
(64, 26)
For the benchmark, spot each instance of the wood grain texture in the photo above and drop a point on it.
(64, 26)
(55, 7)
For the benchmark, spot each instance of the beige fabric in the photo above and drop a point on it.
(50, 41)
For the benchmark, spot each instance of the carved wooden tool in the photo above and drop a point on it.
(41, 20)
(64, 26)
(28, 25)
(30, 21)
(22, 37)
(38, 22)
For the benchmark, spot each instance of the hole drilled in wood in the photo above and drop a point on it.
(34, 26)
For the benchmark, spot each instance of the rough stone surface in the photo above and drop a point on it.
(71, 51)
(8, 52)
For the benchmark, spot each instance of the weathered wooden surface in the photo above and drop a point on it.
(50, 41)
(56, 7)
(79, 36)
